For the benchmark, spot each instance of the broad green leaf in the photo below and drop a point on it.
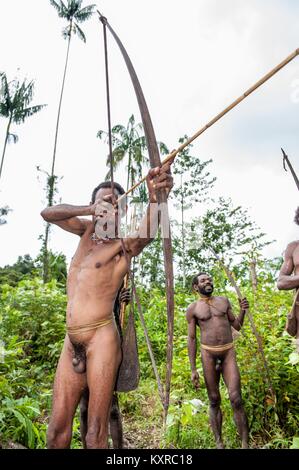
(295, 444)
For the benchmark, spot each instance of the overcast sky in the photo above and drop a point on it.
(193, 58)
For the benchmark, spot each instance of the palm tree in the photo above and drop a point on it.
(74, 14)
(129, 142)
(15, 98)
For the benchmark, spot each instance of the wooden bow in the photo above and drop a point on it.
(155, 161)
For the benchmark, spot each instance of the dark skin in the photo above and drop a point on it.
(214, 317)
(96, 273)
(115, 421)
(289, 275)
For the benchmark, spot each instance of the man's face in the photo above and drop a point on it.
(205, 285)
(106, 217)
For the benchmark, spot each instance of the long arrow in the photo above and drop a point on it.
(223, 113)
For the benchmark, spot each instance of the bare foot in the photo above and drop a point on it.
(220, 445)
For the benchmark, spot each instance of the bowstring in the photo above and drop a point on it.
(114, 200)
(104, 21)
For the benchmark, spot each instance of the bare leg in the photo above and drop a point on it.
(68, 387)
(212, 378)
(103, 359)
(84, 416)
(116, 429)
(231, 376)
(297, 335)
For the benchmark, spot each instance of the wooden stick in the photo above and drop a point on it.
(220, 115)
(145, 330)
(252, 324)
(123, 305)
(126, 280)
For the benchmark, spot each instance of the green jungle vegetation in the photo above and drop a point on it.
(33, 329)
(215, 233)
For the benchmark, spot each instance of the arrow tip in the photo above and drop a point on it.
(284, 159)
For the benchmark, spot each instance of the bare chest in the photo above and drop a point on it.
(98, 257)
(213, 309)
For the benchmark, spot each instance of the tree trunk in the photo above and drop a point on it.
(253, 275)
(46, 255)
(60, 100)
(183, 234)
(128, 181)
(51, 180)
(129, 170)
(5, 144)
